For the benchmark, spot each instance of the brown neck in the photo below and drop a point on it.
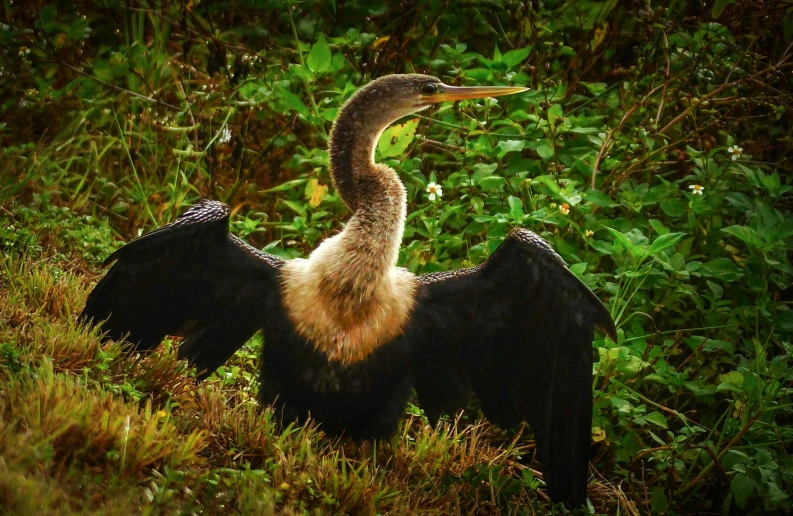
(374, 192)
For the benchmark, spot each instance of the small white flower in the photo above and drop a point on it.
(590, 233)
(696, 189)
(225, 135)
(435, 191)
(564, 209)
(735, 151)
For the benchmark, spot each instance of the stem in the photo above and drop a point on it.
(306, 83)
(699, 478)
(134, 170)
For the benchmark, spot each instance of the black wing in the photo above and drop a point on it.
(516, 331)
(192, 279)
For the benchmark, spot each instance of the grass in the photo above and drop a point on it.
(87, 428)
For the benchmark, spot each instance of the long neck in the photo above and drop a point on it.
(374, 192)
(348, 298)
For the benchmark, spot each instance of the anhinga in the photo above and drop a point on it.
(348, 334)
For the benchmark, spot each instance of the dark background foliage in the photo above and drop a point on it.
(652, 152)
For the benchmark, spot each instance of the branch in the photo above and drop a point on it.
(718, 90)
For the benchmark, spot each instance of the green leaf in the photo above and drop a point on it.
(784, 230)
(658, 227)
(673, 207)
(319, 58)
(102, 70)
(477, 204)
(479, 74)
(774, 494)
(740, 200)
(733, 457)
(507, 146)
(255, 92)
(554, 112)
(742, 486)
(296, 206)
(492, 182)
(396, 139)
(550, 183)
(765, 459)
(301, 71)
(599, 198)
(483, 170)
(291, 101)
(657, 418)
(731, 381)
(515, 57)
(566, 51)
(665, 242)
(285, 186)
(658, 500)
(601, 246)
(747, 234)
(621, 238)
(47, 16)
(515, 208)
(621, 405)
(721, 268)
(545, 150)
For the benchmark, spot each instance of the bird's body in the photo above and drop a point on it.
(348, 334)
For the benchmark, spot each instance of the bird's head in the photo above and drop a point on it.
(395, 96)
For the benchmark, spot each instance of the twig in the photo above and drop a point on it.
(666, 82)
(699, 478)
(607, 143)
(652, 403)
(119, 88)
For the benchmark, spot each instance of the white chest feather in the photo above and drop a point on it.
(348, 298)
(343, 303)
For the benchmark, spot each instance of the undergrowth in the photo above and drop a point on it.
(652, 152)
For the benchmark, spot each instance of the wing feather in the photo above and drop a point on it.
(191, 278)
(516, 332)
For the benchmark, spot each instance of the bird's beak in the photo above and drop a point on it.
(451, 93)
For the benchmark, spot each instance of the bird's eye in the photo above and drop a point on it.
(429, 88)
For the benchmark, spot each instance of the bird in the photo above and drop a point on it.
(350, 337)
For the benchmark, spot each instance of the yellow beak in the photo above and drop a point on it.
(451, 93)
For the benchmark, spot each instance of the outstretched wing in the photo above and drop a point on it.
(516, 331)
(192, 279)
